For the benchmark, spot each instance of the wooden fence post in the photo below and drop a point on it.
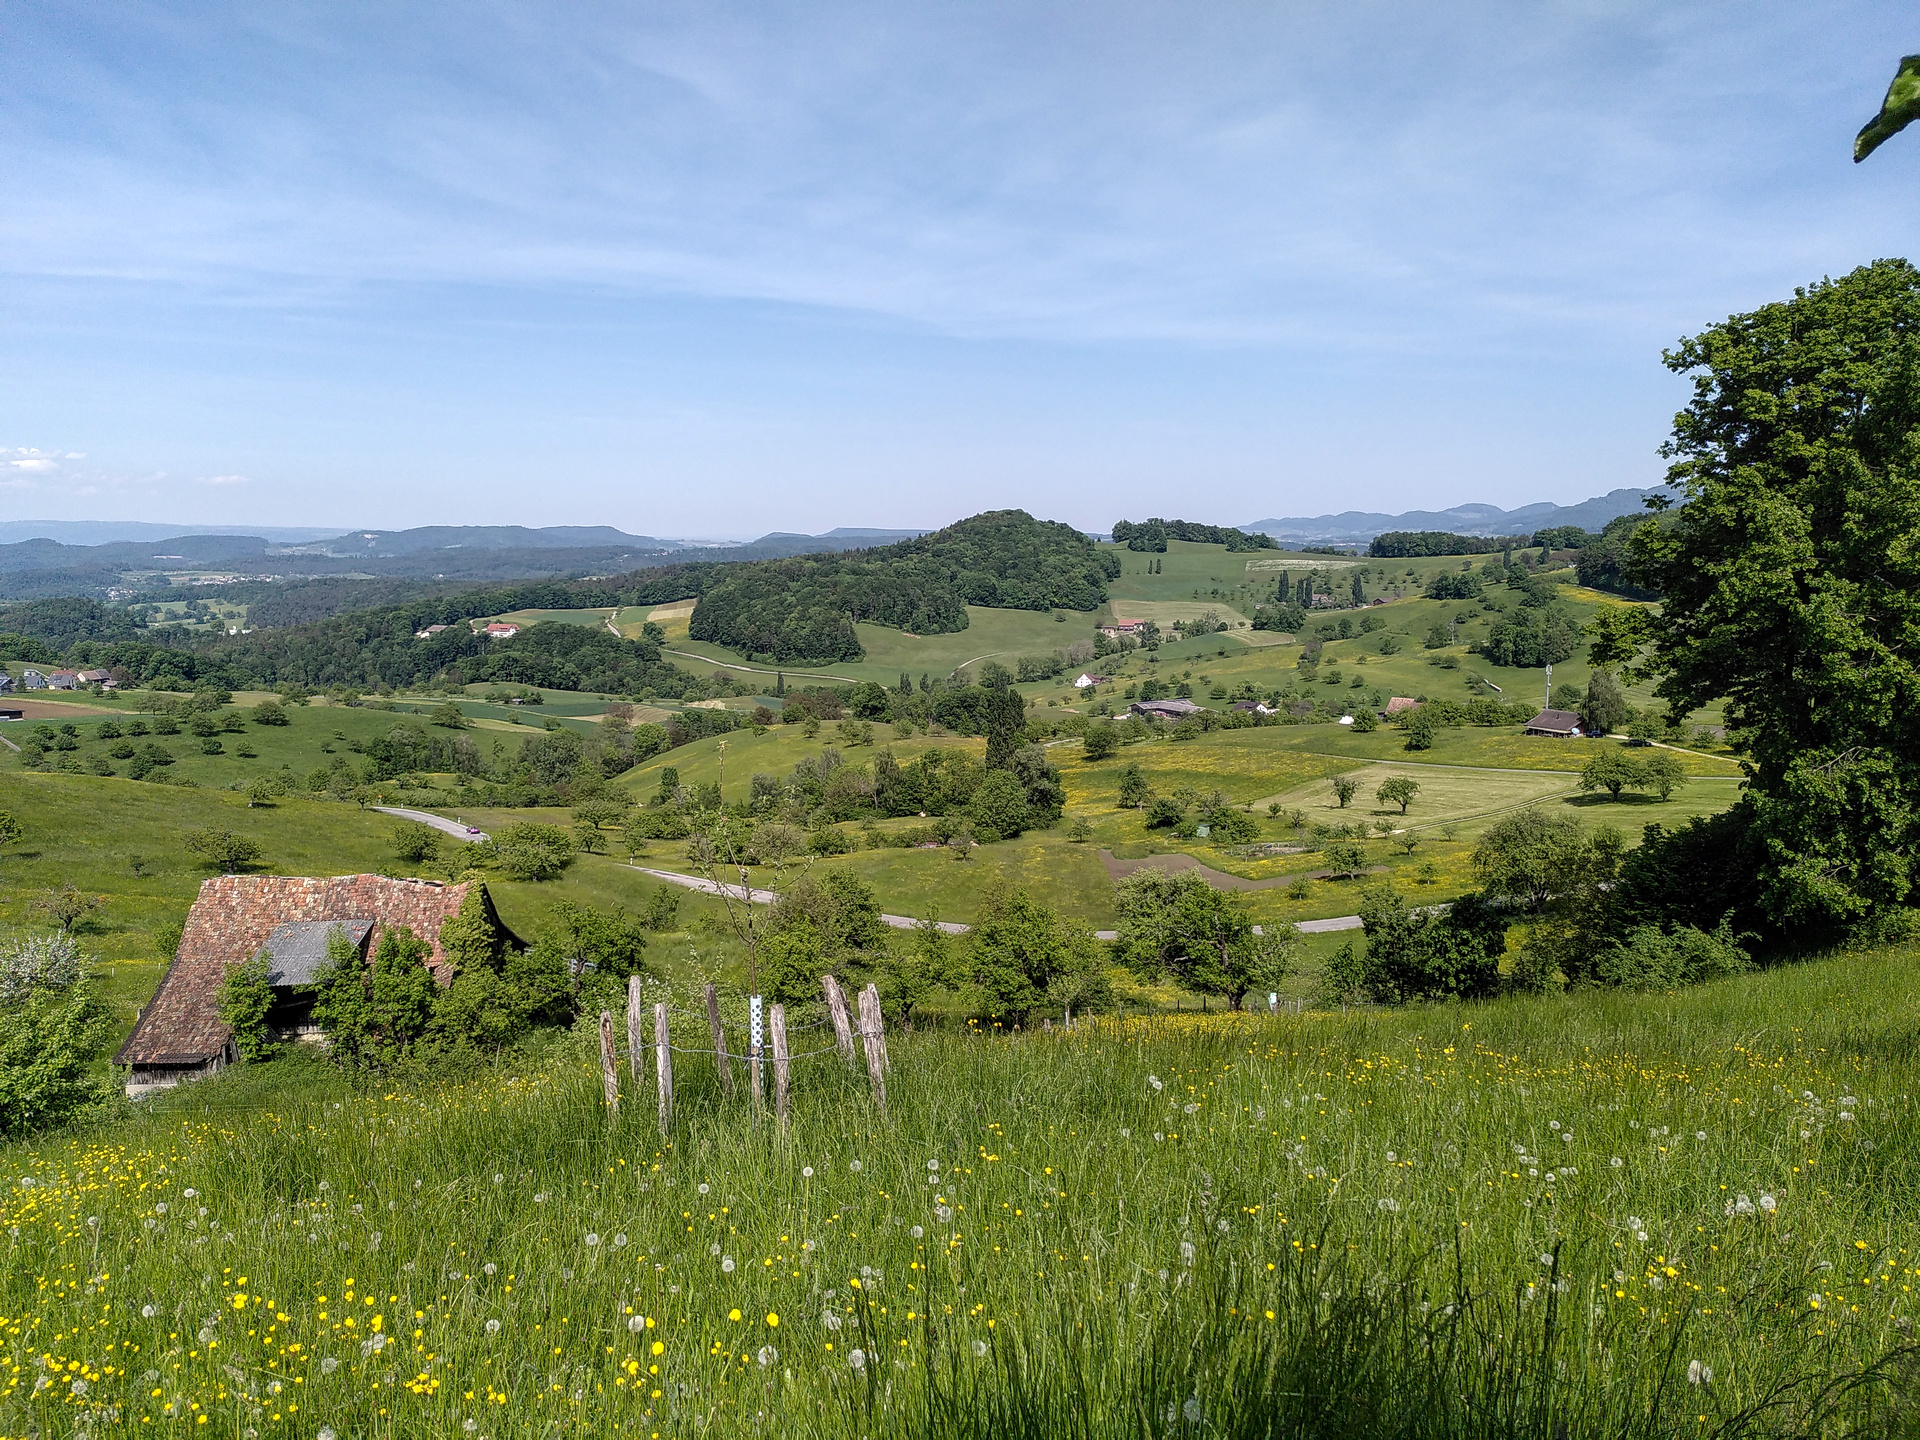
(837, 1008)
(719, 1041)
(634, 1032)
(609, 1069)
(879, 1026)
(780, 1067)
(663, 1064)
(870, 1038)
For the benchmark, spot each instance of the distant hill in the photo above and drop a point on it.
(102, 560)
(113, 532)
(1359, 526)
(804, 608)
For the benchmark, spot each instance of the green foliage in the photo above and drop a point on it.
(791, 963)
(415, 843)
(449, 716)
(999, 810)
(10, 829)
(223, 850)
(1606, 707)
(1533, 858)
(1397, 790)
(1899, 109)
(48, 1041)
(1099, 740)
(837, 907)
(1134, 789)
(1165, 810)
(1788, 584)
(607, 942)
(804, 609)
(1611, 769)
(1427, 954)
(374, 1013)
(1365, 722)
(1422, 725)
(1663, 771)
(270, 712)
(528, 850)
(1180, 927)
(1344, 860)
(1152, 535)
(1412, 544)
(1453, 585)
(1018, 950)
(1649, 958)
(245, 999)
(1345, 787)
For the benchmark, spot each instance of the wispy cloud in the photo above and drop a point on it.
(223, 480)
(1367, 176)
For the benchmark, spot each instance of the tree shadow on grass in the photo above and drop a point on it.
(1601, 797)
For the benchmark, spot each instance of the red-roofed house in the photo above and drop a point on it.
(180, 1035)
(499, 630)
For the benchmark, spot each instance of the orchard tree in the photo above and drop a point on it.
(1397, 791)
(1345, 787)
(1612, 770)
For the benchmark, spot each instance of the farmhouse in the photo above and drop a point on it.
(1089, 680)
(31, 679)
(499, 630)
(63, 679)
(180, 1035)
(1164, 709)
(429, 632)
(96, 677)
(6, 681)
(1561, 724)
(1122, 626)
(1397, 704)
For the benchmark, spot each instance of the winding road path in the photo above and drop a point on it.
(455, 828)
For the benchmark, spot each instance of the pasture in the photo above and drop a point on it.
(1594, 1215)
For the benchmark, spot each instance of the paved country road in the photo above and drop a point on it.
(906, 922)
(439, 822)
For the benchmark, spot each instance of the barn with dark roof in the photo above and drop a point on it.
(180, 1035)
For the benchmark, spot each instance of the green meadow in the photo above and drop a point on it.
(1602, 1214)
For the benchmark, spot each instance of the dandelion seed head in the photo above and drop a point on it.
(1768, 1203)
(767, 1355)
(857, 1359)
(490, 1268)
(330, 1364)
(806, 1172)
(636, 1323)
(854, 1166)
(704, 1188)
(918, 1232)
(1698, 1374)
(726, 1264)
(592, 1240)
(493, 1327)
(933, 1164)
(979, 1349)
(1616, 1162)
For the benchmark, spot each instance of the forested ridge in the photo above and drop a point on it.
(805, 609)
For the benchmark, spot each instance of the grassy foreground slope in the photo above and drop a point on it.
(1607, 1215)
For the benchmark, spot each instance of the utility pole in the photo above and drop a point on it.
(1549, 704)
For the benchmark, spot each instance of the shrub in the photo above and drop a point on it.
(1165, 810)
(269, 712)
(51, 961)
(1426, 954)
(527, 850)
(1650, 958)
(999, 808)
(223, 850)
(416, 844)
(245, 999)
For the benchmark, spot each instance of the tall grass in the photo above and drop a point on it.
(1533, 1218)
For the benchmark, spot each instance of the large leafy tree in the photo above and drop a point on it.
(1791, 581)
(1181, 927)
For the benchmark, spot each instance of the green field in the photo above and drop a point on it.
(1525, 1218)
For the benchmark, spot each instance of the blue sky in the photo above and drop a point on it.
(716, 269)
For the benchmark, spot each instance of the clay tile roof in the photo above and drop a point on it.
(231, 922)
